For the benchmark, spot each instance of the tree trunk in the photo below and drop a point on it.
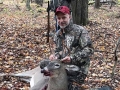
(28, 5)
(97, 3)
(39, 2)
(80, 11)
(111, 4)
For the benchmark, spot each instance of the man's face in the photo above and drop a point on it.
(63, 19)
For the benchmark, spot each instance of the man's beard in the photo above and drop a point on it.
(65, 25)
(62, 27)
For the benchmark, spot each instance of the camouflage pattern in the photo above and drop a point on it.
(75, 42)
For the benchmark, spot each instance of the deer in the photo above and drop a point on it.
(57, 77)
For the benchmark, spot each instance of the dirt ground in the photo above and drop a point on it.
(23, 45)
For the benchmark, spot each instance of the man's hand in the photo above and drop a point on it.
(66, 59)
(52, 57)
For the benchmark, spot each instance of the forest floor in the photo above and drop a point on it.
(23, 45)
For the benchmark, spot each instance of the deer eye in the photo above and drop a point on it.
(57, 65)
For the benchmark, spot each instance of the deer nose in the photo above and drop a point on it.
(42, 70)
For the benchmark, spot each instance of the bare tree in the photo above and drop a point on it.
(28, 4)
(97, 3)
(39, 2)
(80, 11)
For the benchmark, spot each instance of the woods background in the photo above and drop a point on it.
(23, 44)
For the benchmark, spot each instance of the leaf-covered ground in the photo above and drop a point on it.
(104, 27)
(23, 45)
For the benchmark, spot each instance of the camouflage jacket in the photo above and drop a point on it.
(75, 42)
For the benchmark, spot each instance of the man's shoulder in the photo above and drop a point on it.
(77, 28)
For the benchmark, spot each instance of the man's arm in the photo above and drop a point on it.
(86, 49)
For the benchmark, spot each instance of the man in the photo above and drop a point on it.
(73, 47)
